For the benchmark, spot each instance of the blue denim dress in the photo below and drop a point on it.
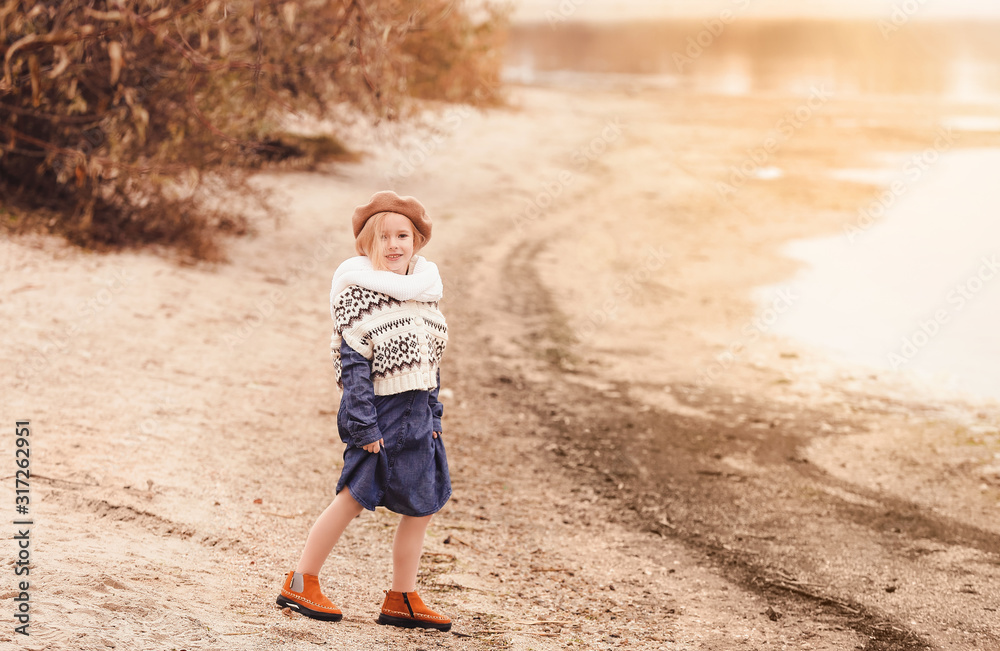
(409, 474)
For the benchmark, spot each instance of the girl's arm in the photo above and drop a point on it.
(359, 397)
(437, 409)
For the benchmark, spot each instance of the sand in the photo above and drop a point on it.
(183, 416)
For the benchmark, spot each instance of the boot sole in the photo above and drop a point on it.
(284, 602)
(403, 622)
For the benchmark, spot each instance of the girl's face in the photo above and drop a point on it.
(397, 242)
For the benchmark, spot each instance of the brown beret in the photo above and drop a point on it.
(389, 201)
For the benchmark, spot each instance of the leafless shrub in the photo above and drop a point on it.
(120, 118)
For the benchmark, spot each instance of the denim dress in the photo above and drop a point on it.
(409, 474)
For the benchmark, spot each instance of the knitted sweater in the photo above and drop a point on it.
(403, 337)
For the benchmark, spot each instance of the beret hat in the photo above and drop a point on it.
(389, 201)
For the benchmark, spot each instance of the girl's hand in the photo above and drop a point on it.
(374, 447)
(437, 434)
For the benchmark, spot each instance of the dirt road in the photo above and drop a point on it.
(606, 495)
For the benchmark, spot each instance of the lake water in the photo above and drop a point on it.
(958, 61)
(914, 286)
(917, 290)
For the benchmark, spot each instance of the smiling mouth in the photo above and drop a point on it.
(394, 256)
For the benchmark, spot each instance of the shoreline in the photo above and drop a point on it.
(873, 453)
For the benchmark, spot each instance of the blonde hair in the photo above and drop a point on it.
(369, 244)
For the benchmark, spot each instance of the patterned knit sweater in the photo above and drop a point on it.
(404, 339)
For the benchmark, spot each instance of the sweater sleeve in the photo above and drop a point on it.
(358, 399)
(347, 328)
(437, 409)
(335, 341)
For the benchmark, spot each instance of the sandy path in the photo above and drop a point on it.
(171, 399)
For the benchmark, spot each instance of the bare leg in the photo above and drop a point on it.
(406, 550)
(326, 531)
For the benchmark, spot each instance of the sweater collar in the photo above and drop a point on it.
(422, 283)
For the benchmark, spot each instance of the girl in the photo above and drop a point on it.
(386, 346)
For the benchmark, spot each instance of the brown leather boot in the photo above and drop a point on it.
(302, 594)
(406, 609)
